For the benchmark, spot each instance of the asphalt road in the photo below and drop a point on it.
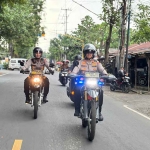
(57, 129)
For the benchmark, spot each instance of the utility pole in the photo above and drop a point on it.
(128, 35)
(123, 31)
(66, 10)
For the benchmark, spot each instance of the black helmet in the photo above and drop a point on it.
(89, 48)
(37, 49)
(78, 57)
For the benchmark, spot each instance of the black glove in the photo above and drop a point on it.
(21, 71)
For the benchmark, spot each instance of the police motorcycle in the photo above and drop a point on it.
(36, 90)
(90, 86)
(64, 76)
(118, 85)
(70, 88)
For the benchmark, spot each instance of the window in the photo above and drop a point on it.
(13, 61)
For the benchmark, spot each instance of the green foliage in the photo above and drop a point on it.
(141, 33)
(20, 26)
(5, 65)
(87, 32)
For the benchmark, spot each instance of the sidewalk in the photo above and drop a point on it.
(138, 102)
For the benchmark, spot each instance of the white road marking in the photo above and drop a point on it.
(136, 112)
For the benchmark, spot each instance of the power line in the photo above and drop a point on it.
(85, 8)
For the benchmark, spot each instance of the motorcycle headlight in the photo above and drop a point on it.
(36, 80)
(91, 82)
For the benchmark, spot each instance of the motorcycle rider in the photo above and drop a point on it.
(63, 67)
(121, 74)
(36, 63)
(76, 61)
(88, 64)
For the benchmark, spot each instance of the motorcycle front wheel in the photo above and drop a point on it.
(35, 104)
(91, 126)
(64, 81)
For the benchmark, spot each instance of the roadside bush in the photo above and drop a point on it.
(5, 65)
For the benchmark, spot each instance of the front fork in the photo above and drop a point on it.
(40, 98)
(86, 106)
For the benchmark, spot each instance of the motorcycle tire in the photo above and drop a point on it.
(64, 82)
(35, 104)
(91, 126)
(112, 88)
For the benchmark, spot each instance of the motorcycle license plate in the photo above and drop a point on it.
(92, 74)
(36, 72)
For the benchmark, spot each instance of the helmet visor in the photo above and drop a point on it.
(38, 51)
(89, 51)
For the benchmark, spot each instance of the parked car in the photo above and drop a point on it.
(14, 63)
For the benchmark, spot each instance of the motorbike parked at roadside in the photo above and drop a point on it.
(123, 85)
(90, 86)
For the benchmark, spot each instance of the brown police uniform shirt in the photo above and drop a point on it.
(64, 66)
(89, 65)
(35, 64)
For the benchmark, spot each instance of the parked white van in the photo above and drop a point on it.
(14, 63)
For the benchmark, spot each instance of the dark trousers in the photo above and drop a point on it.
(78, 99)
(26, 86)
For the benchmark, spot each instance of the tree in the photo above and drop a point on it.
(141, 33)
(20, 26)
(109, 16)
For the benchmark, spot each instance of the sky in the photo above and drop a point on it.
(54, 17)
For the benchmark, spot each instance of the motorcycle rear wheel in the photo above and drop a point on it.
(91, 126)
(126, 88)
(35, 104)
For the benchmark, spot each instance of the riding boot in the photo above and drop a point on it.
(45, 99)
(100, 105)
(77, 102)
(77, 111)
(27, 99)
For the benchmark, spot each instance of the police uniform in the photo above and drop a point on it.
(36, 64)
(88, 65)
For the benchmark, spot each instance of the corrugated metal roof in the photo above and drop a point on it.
(136, 49)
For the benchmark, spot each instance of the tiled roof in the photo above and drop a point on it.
(139, 48)
(135, 49)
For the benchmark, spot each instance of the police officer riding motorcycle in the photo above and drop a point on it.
(37, 65)
(63, 74)
(88, 64)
